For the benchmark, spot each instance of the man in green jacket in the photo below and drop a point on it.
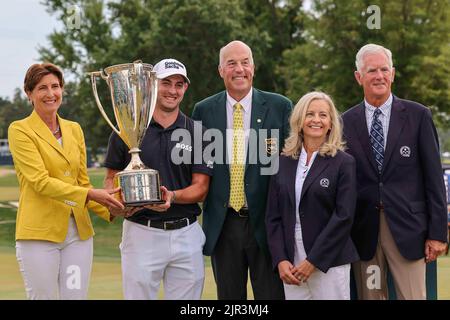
(253, 126)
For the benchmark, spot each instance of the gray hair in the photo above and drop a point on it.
(222, 50)
(371, 48)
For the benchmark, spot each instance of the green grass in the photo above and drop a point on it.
(9, 180)
(9, 193)
(444, 278)
(105, 284)
(7, 231)
(96, 176)
(106, 273)
(107, 237)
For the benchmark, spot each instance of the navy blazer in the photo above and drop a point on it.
(326, 211)
(410, 186)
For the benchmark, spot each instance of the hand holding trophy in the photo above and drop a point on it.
(133, 88)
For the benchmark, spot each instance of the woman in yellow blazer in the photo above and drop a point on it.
(54, 232)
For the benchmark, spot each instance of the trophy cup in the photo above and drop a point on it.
(133, 88)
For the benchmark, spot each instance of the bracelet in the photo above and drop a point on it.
(173, 197)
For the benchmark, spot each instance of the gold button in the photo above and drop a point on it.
(67, 173)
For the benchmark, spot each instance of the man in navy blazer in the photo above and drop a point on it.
(400, 220)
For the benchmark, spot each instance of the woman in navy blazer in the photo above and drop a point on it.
(311, 205)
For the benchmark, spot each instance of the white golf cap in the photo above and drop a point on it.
(168, 67)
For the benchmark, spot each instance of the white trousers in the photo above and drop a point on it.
(56, 270)
(151, 255)
(332, 285)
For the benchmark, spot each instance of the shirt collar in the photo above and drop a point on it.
(303, 156)
(384, 108)
(245, 102)
(180, 122)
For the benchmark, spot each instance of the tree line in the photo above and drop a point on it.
(298, 46)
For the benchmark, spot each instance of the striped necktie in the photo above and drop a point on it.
(377, 139)
(237, 167)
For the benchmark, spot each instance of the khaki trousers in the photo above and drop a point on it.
(371, 276)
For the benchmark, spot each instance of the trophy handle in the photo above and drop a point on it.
(97, 99)
(154, 86)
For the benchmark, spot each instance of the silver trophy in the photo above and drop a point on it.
(133, 88)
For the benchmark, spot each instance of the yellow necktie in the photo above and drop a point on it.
(237, 193)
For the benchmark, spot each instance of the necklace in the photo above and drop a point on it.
(56, 131)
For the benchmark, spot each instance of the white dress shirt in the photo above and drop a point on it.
(384, 117)
(246, 104)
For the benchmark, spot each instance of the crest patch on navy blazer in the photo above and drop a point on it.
(324, 182)
(272, 146)
(405, 151)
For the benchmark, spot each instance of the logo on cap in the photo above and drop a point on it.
(168, 67)
(172, 65)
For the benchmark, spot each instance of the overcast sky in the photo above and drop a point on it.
(24, 24)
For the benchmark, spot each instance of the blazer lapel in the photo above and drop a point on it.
(257, 117)
(220, 112)
(291, 171)
(220, 116)
(319, 164)
(68, 140)
(363, 133)
(41, 129)
(258, 111)
(396, 123)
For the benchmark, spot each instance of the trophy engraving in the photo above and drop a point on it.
(133, 88)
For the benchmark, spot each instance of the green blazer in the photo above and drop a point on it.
(268, 111)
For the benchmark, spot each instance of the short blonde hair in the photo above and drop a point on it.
(294, 142)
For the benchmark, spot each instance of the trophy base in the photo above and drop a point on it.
(139, 187)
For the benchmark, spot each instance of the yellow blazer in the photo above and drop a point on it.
(53, 180)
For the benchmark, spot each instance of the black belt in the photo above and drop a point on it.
(166, 225)
(243, 213)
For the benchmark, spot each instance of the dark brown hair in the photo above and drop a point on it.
(37, 71)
